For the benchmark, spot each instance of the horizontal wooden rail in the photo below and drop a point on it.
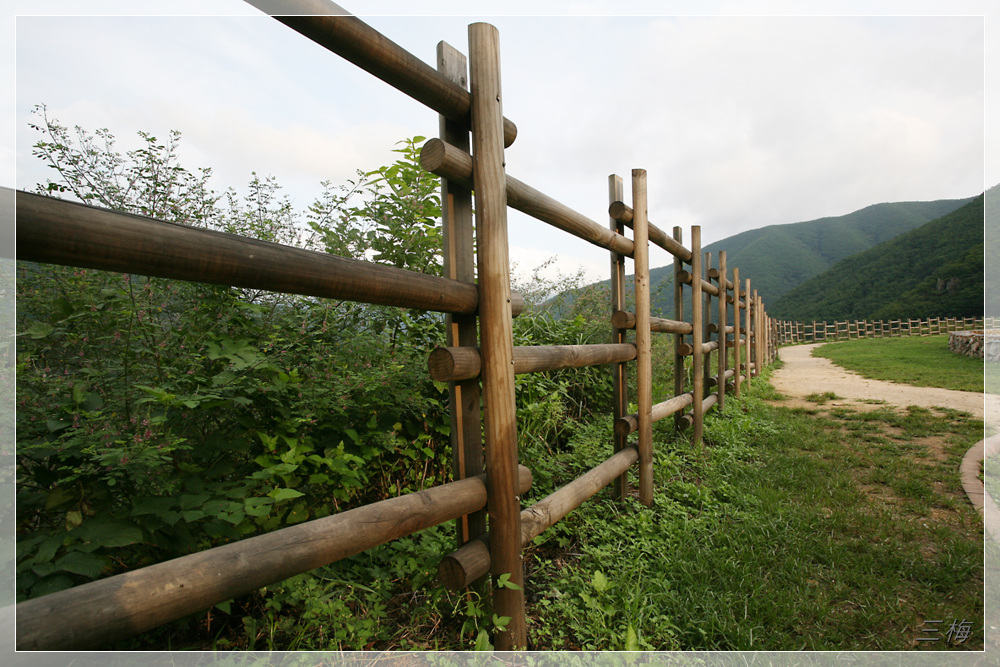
(56, 231)
(462, 567)
(105, 610)
(714, 328)
(706, 404)
(357, 42)
(622, 212)
(687, 349)
(630, 423)
(454, 164)
(714, 275)
(622, 319)
(714, 380)
(706, 286)
(452, 364)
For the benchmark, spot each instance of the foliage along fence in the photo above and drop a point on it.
(480, 370)
(786, 332)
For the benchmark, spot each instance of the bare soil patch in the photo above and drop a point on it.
(804, 375)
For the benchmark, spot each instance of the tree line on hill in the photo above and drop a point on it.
(935, 270)
(886, 261)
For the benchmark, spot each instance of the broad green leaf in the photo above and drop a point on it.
(44, 569)
(258, 506)
(110, 533)
(505, 582)
(56, 425)
(53, 584)
(599, 582)
(39, 330)
(57, 497)
(190, 501)
(280, 495)
(87, 565)
(73, 519)
(153, 505)
(192, 515)
(297, 514)
(483, 641)
(631, 640)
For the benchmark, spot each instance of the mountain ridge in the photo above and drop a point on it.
(779, 257)
(935, 270)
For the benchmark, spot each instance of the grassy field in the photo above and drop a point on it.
(793, 530)
(917, 360)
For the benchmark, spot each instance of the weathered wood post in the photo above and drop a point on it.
(770, 337)
(757, 337)
(679, 360)
(698, 388)
(706, 315)
(496, 347)
(643, 335)
(723, 349)
(619, 384)
(461, 330)
(749, 330)
(737, 340)
(762, 336)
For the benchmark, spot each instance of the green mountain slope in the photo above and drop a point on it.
(992, 224)
(934, 270)
(778, 258)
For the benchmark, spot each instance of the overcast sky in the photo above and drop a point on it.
(743, 121)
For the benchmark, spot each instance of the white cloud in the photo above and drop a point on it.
(740, 122)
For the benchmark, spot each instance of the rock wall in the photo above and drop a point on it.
(976, 344)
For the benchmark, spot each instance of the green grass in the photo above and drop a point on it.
(922, 361)
(793, 530)
(821, 399)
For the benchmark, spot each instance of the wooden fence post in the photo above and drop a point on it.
(643, 335)
(461, 330)
(723, 350)
(697, 379)
(749, 330)
(706, 316)
(737, 341)
(619, 384)
(757, 338)
(497, 346)
(679, 360)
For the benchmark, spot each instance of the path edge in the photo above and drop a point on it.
(974, 489)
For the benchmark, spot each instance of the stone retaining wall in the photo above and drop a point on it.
(976, 344)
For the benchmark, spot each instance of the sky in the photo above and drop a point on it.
(744, 114)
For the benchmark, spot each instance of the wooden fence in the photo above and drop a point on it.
(489, 481)
(787, 332)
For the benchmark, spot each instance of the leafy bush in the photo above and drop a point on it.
(157, 417)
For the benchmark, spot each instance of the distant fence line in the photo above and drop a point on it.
(788, 332)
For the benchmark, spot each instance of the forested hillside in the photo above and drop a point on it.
(992, 248)
(778, 258)
(935, 270)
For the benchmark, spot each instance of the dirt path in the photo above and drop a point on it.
(804, 374)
